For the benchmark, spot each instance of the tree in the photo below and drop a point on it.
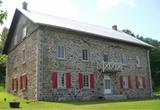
(3, 36)
(154, 57)
(3, 14)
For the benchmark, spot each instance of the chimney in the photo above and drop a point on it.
(114, 27)
(24, 5)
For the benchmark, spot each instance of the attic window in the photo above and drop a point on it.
(15, 39)
(24, 32)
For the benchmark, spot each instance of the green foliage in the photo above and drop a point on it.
(3, 59)
(3, 14)
(3, 37)
(154, 57)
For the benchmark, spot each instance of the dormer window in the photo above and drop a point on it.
(24, 34)
(15, 39)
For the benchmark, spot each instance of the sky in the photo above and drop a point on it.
(140, 16)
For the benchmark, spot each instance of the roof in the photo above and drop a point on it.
(99, 31)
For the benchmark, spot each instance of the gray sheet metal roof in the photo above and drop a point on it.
(50, 20)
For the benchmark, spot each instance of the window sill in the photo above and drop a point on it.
(85, 61)
(61, 58)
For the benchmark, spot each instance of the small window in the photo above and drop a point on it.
(15, 84)
(124, 59)
(105, 58)
(24, 34)
(125, 79)
(15, 39)
(85, 54)
(23, 55)
(86, 80)
(138, 62)
(61, 52)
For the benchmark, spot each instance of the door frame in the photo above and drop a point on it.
(109, 91)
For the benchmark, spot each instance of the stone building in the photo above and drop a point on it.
(53, 58)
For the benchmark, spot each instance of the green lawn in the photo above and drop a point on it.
(150, 104)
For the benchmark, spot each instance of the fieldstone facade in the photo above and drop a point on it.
(41, 61)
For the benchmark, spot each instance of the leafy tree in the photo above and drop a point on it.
(154, 57)
(3, 36)
(3, 14)
(3, 58)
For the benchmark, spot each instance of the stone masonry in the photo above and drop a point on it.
(41, 60)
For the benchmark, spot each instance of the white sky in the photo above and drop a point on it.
(124, 13)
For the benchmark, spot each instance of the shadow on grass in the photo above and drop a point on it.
(101, 101)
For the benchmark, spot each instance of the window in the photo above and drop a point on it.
(105, 58)
(61, 80)
(15, 39)
(85, 54)
(125, 79)
(61, 52)
(23, 55)
(23, 82)
(24, 34)
(86, 80)
(15, 84)
(138, 63)
(124, 59)
(140, 82)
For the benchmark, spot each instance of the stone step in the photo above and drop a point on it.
(114, 97)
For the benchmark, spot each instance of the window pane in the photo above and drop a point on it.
(105, 58)
(85, 80)
(85, 54)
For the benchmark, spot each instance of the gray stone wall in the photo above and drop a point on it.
(74, 42)
(16, 66)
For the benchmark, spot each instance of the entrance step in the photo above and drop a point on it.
(114, 97)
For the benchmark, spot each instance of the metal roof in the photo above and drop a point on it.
(99, 31)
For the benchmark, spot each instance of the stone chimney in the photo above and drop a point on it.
(114, 27)
(24, 5)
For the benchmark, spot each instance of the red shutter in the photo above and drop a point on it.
(91, 80)
(137, 82)
(129, 82)
(68, 80)
(25, 81)
(80, 80)
(20, 82)
(54, 80)
(121, 81)
(144, 82)
(12, 84)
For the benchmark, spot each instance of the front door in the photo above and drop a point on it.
(107, 85)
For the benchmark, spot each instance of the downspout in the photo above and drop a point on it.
(149, 74)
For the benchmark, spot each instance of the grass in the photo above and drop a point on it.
(147, 104)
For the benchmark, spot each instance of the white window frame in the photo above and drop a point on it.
(124, 59)
(125, 80)
(24, 32)
(60, 74)
(60, 51)
(88, 83)
(138, 62)
(87, 55)
(23, 56)
(140, 80)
